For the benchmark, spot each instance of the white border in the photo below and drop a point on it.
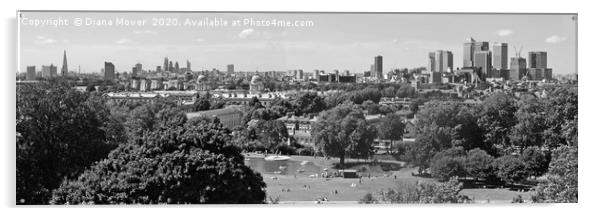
(588, 61)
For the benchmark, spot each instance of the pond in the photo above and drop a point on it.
(305, 168)
(289, 167)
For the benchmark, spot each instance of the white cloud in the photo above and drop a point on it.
(504, 32)
(42, 40)
(123, 41)
(246, 33)
(394, 41)
(198, 40)
(145, 32)
(555, 39)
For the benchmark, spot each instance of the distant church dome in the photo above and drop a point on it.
(256, 79)
(201, 78)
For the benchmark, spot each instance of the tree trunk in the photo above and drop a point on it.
(342, 161)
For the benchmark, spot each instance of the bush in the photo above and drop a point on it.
(510, 169)
(368, 199)
(448, 192)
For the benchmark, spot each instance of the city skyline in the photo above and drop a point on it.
(336, 41)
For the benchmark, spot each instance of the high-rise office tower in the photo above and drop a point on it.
(480, 46)
(470, 50)
(538, 66)
(46, 71)
(482, 62)
(518, 68)
(431, 64)
(158, 68)
(64, 69)
(500, 56)
(230, 68)
(188, 68)
(137, 69)
(52, 70)
(177, 68)
(170, 69)
(440, 61)
(378, 67)
(446, 60)
(538, 59)
(31, 73)
(109, 71)
(166, 64)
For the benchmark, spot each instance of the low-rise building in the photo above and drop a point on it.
(230, 116)
(299, 127)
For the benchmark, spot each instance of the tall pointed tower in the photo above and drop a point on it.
(64, 70)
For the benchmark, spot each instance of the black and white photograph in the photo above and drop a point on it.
(197, 107)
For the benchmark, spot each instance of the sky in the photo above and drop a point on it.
(328, 42)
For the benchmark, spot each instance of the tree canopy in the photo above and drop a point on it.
(191, 163)
(60, 131)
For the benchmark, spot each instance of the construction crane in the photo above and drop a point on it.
(517, 53)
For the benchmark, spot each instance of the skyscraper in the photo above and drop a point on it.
(480, 46)
(440, 61)
(518, 68)
(482, 62)
(431, 65)
(46, 70)
(137, 69)
(170, 69)
(64, 69)
(538, 66)
(166, 64)
(378, 67)
(188, 68)
(470, 50)
(31, 73)
(230, 68)
(538, 59)
(500, 56)
(109, 71)
(177, 68)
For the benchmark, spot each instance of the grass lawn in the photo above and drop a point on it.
(303, 189)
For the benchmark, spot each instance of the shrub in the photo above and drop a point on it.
(448, 192)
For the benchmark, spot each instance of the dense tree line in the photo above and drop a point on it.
(60, 131)
(183, 162)
(74, 147)
(343, 131)
(505, 138)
